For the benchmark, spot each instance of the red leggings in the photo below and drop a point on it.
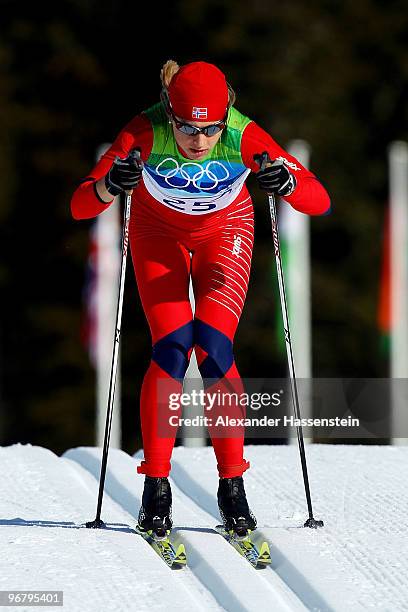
(221, 246)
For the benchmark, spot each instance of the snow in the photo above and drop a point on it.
(357, 561)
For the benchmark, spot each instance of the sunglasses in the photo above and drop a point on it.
(192, 130)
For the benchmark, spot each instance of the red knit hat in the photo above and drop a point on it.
(199, 92)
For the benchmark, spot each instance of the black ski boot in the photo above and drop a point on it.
(155, 512)
(233, 506)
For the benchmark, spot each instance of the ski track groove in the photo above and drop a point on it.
(353, 527)
(365, 519)
(288, 599)
(89, 459)
(38, 557)
(192, 588)
(305, 597)
(201, 562)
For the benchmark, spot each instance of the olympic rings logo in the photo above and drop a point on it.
(185, 172)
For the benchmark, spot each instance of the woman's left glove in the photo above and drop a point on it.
(276, 178)
(124, 175)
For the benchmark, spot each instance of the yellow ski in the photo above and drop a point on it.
(257, 558)
(175, 559)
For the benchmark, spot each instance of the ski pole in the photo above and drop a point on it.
(264, 160)
(98, 523)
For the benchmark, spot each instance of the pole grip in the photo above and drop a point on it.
(135, 154)
(263, 160)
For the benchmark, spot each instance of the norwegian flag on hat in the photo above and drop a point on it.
(199, 113)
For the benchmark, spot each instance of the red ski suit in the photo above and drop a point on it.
(167, 247)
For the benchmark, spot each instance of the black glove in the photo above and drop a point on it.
(124, 175)
(276, 178)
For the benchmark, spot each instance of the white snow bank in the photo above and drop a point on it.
(357, 562)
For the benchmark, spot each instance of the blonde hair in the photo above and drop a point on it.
(170, 68)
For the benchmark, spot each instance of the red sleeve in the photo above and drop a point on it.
(309, 196)
(85, 202)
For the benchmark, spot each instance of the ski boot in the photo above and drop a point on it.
(232, 503)
(155, 512)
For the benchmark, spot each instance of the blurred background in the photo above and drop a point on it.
(73, 73)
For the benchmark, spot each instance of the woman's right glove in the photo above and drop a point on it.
(276, 178)
(124, 175)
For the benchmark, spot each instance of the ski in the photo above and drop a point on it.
(174, 558)
(257, 558)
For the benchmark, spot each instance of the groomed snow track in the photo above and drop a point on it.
(358, 561)
(214, 570)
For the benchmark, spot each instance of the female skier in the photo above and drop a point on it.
(192, 215)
